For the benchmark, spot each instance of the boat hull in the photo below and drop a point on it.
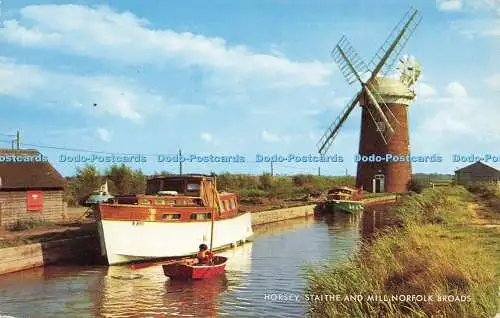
(343, 206)
(183, 271)
(129, 241)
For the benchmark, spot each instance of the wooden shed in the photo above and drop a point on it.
(477, 172)
(30, 188)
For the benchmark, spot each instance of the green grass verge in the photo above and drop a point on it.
(431, 250)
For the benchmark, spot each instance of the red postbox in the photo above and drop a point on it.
(34, 200)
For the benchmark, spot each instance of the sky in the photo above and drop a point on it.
(237, 78)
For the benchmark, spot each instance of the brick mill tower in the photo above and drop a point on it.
(385, 176)
(384, 101)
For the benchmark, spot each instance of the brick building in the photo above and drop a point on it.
(31, 189)
(477, 172)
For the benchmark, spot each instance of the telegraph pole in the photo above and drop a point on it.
(346, 173)
(272, 169)
(180, 162)
(18, 139)
(319, 171)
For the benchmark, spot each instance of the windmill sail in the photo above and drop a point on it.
(386, 56)
(393, 121)
(327, 139)
(350, 63)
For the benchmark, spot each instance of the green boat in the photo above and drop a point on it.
(343, 199)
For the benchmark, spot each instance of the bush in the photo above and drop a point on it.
(416, 186)
(485, 190)
(248, 193)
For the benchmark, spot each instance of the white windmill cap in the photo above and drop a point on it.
(391, 89)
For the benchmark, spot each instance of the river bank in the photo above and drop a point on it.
(442, 244)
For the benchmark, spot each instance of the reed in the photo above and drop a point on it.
(430, 250)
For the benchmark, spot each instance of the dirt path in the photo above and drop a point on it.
(483, 216)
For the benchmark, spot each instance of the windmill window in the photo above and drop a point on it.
(380, 126)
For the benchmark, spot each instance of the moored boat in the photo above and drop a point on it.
(171, 220)
(343, 199)
(188, 269)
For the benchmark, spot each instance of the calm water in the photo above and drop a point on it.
(271, 264)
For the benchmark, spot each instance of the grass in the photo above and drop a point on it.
(429, 250)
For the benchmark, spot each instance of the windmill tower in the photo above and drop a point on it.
(384, 116)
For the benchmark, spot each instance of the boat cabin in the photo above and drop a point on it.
(174, 198)
(342, 193)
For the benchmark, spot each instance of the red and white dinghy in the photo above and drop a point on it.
(187, 269)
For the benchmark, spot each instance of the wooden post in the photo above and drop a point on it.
(213, 213)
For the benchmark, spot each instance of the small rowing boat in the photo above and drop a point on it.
(188, 269)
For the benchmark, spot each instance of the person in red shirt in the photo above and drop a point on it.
(204, 256)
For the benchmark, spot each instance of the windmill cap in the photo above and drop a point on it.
(390, 88)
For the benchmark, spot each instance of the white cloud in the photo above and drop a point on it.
(103, 33)
(482, 28)
(425, 90)
(449, 5)
(494, 82)
(456, 90)
(457, 124)
(111, 96)
(206, 137)
(488, 26)
(467, 5)
(103, 134)
(270, 137)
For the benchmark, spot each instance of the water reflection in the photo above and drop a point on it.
(151, 293)
(375, 218)
(50, 292)
(277, 228)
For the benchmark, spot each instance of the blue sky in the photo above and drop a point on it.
(245, 77)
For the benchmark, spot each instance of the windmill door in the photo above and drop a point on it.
(379, 183)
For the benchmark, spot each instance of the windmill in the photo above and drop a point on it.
(384, 102)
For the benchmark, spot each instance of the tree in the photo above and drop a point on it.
(87, 180)
(124, 180)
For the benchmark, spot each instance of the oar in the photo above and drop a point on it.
(154, 263)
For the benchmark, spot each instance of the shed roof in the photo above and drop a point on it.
(28, 175)
(476, 164)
